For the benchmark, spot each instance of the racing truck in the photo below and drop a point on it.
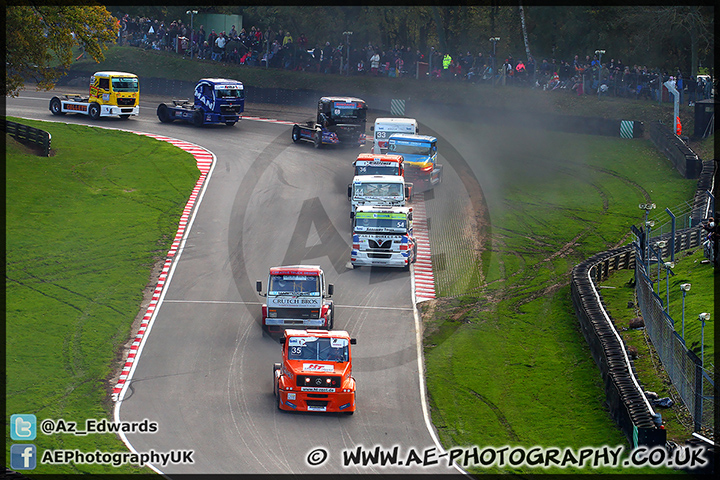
(316, 372)
(369, 164)
(388, 190)
(383, 236)
(296, 298)
(340, 120)
(384, 127)
(421, 158)
(111, 93)
(217, 100)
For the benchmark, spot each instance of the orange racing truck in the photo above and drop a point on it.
(369, 164)
(296, 298)
(316, 372)
(111, 93)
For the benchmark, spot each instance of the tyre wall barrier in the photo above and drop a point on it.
(28, 135)
(626, 401)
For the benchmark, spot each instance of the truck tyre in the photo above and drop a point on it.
(296, 134)
(317, 139)
(197, 118)
(163, 114)
(276, 393)
(94, 111)
(56, 106)
(331, 320)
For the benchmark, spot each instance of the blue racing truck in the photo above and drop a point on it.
(421, 158)
(217, 100)
(340, 120)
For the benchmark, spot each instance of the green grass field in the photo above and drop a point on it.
(83, 230)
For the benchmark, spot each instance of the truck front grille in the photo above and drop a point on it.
(318, 381)
(230, 109)
(126, 102)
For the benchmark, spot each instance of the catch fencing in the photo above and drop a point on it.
(28, 135)
(692, 381)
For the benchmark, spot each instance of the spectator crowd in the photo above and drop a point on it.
(581, 75)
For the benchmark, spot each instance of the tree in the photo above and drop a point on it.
(40, 38)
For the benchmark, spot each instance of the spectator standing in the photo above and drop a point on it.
(219, 47)
(375, 63)
(691, 86)
(447, 61)
(233, 33)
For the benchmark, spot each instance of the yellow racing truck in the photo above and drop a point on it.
(111, 93)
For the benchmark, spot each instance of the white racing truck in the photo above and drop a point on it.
(296, 298)
(387, 190)
(383, 236)
(384, 127)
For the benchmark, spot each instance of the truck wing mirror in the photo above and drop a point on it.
(408, 189)
(349, 190)
(331, 289)
(258, 286)
(282, 340)
(372, 128)
(353, 341)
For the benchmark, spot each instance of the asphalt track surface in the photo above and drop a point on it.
(205, 369)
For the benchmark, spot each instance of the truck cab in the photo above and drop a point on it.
(369, 164)
(421, 158)
(339, 120)
(383, 236)
(384, 127)
(316, 372)
(215, 100)
(389, 190)
(111, 93)
(297, 296)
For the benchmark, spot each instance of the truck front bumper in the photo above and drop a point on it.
(110, 110)
(278, 325)
(339, 402)
(375, 259)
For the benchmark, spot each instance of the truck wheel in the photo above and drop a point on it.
(163, 114)
(56, 106)
(331, 320)
(276, 367)
(296, 134)
(317, 139)
(94, 111)
(197, 118)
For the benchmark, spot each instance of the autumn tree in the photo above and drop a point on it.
(40, 38)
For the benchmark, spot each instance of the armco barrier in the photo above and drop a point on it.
(682, 157)
(25, 134)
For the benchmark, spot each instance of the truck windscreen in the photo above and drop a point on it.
(409, 148)
(376, 170)
(230, 93)
(348, 111)
(322, 349)
(294, 285)
(125, 84)
(378, 189)
(391, 222)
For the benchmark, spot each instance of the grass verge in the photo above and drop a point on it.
(509, 366)
(83, 230)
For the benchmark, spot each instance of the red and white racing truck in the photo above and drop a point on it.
(296, 297)
(316, 372)
(379, 164)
